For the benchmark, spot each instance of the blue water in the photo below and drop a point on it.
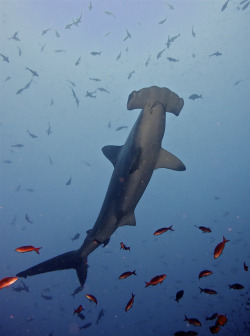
(211, 136)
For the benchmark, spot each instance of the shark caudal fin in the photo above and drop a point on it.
(63, 261)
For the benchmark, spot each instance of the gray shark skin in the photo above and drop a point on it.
(134, 163)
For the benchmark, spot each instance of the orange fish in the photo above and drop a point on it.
(245, 267)
(6, 282)
(126, 274)
(221, 320)
(214, 329)
(124, 247)
(208, 291)
(193, 321)
(91, 298)
(220, 247)
(130, 303)
(204, 273)
(204, 229)
(157, 279)
(78, 310)
(162, 230)
(28, 248)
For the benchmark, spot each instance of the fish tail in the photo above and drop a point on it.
(201, 290)
(134, 273)
(225, 240)
(37, 250)
(147, 284)
(63, 261)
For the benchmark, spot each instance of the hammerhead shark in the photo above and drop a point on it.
(134, 163)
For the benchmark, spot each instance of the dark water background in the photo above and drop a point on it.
(211, 136)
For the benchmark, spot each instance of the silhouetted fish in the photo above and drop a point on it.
(46, 297)
(195, 96)
(179, 295)
(5, 58)
(15, 37)
(217, 53)
(85, 326)
(100, 315)
(121, 127)
(131, 73)
(94, 53)
(77, 290)
(34, 73)
(69, 181)
(224, 6)
(27, 219)
(31, 134)
(76, 236)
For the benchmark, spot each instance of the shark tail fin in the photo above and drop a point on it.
(63, 261)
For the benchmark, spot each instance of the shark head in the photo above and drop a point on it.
(171, 101)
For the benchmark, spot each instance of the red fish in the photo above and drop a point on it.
(214, 329)
(193, 321)
(91, 298)
(6, 282)
(221, 320)
(78, 310)
(245, 267)
(162, 230)
(220, 247)
(157, 279)
(124, 247)
(130, 303)
(204, 273)
(204, 229)
(208, 291)
(126, 274)
(28, 248)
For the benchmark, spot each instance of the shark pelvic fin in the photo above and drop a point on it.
(168, 160)
(127, 220)
(112, 153)
(64, 261)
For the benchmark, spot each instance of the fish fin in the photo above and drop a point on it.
(111, 153)
(89, 231)
(168, 160)
(37, 250)
(127, 220)
(106, 242)
(63, 261)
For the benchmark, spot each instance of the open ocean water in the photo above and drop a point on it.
(66, 71)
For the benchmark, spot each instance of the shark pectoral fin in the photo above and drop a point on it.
(128, 220)
(168, 160)
(111, 153)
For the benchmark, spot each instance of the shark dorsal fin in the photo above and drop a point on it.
(168, 160)
(111, 153)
